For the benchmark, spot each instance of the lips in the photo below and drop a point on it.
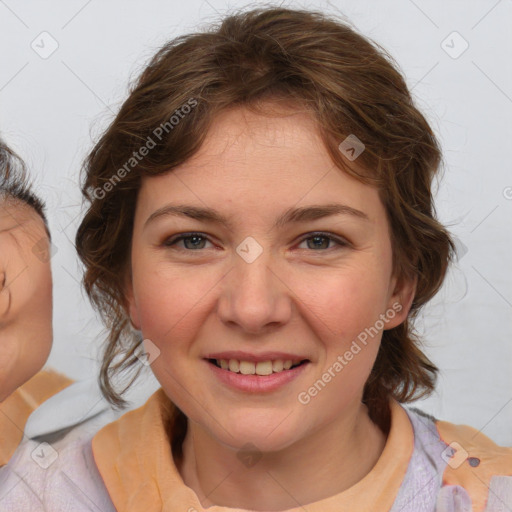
(249, 382)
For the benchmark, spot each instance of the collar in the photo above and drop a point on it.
(134, 458)
(74, 405)
(15, 410)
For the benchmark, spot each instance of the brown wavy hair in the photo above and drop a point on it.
(300, 58)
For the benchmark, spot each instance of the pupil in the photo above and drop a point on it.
(195, 238)
(317, 238)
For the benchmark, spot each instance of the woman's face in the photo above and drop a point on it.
(25, 295)
(265, 285)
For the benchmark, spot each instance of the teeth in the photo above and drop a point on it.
(251, 368)
(234, 365)
(247, 368)
(264, 368)
(278, 366)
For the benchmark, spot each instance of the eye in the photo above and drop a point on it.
(320, 240)
(196, 241)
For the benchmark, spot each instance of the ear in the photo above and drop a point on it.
(399, 304)
(131, 305)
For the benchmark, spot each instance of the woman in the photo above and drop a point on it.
(25, 304)
(261, 218)
(33, 403)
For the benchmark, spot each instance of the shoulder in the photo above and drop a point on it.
(476, 464)
(45, 384)
(53, 469)
(461, 467)
(60, 476)
(77, 404)
(17, 408)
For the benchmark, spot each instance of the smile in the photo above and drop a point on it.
(259, 368)
(263, 376)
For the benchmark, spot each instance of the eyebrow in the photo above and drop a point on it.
(292, 215)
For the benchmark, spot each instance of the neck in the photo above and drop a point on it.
(330, 460)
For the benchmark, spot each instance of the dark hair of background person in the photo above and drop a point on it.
(14, 182)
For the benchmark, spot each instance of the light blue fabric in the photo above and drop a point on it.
(53, 469)
(72, 406)
(423, 478)
(500, 494)
(72, 483)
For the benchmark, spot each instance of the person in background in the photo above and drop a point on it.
(25, 303)
(33, 402)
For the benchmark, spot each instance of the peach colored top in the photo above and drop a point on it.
(134, 458)
(15, 410)
(427, 465)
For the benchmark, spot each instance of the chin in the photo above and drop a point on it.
(267, 432)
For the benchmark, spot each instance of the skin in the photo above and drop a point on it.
(294, 297)
(25, 295)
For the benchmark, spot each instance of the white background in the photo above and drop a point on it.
(52, 109)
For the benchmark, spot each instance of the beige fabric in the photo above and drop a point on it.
(475, 461)
(134, 458)
(15, 410)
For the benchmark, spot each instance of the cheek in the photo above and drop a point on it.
(4, 301)
(342, 311)
(26, 341)
(39, 289)
(344, 302)
(9, 357)
(342, 319)
(35, 317)
(168, 304)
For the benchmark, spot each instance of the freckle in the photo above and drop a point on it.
(474, 462)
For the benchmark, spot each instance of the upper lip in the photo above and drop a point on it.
(255, 358)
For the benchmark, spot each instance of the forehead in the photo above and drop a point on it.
(17, 216)
(240, 134)
(260, 162)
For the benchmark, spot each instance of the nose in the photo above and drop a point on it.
(254, 297)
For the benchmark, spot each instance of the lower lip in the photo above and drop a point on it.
(257, 383)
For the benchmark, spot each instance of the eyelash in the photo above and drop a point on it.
(178, 238)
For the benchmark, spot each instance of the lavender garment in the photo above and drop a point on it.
(72, 483)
